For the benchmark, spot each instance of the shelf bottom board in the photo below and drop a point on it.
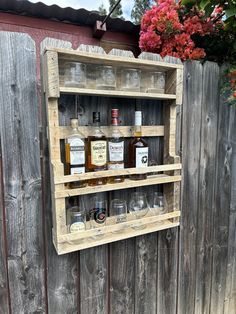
(81, 244)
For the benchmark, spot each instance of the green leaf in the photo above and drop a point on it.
(186, 2)
(230, 12)
(204, 3)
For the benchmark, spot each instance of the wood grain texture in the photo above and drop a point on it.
(206, 186)
(230, 288)
(62, 271)
(4, 288)
(191, 147)
(21, 171)
(224, 212)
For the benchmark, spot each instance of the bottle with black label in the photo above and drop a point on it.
(75, 154)
(115, 147)
(97, 151)
(138, 149)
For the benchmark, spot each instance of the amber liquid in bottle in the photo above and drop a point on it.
(97, 151)
(115, 148)
(75, 154)
(138, 149)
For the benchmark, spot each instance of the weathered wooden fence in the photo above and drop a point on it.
(187, 270)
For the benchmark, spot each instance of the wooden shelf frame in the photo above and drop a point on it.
(167, 174)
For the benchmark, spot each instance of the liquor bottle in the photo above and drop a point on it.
(97, 151)
(75, 154)
(115, 148)
(138, 149)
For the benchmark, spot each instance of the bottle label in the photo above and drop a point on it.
(141, 157)
(77, 152)
(116, 151)
(77, 226)
(98, 153)
(77, 170)
(115, 166)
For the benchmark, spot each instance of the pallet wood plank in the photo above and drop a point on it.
(127, 184)
(21, 171)
(63, 132)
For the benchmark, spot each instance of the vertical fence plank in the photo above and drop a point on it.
(4, 291)
(62, 284)
(230, 290)
(22, 177)
(206, 186)
(190, 156)
(224, 208)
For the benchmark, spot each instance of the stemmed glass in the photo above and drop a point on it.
(138, 206)
(157, 202)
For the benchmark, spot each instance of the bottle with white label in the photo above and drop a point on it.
(75, 154)
(115, 147)
(97, 151)
(138, 149)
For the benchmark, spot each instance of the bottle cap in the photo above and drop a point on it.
(96, 116)
(74, 123)
(138, 118)
(114, 113)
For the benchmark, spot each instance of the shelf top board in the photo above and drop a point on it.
(115, 93)
(105, 59)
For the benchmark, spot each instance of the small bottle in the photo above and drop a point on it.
(75, 154)
(97, 151)
(115, 148)
(138, 149)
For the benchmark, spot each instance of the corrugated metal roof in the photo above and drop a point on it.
(69, 15)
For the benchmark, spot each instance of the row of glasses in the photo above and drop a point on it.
(138, 206)
(106, 77)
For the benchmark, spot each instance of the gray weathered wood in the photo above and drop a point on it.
(223, 234)
(206, 187)
(62, 271)
(21, 171)
(4, 291)
(190, 158)
(230, 289)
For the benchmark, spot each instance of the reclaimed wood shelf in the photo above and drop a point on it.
(113, 231)
(115, 93)
(167, 174)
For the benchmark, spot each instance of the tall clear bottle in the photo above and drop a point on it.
(115, 147)
(97, 151)
(75, 154)
(138, 149)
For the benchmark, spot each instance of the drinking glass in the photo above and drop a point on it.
(76, 218)
(98, 212)
(106, 77)
(157, 82)
(118, 208)
(138, 206)
(75, 74)
(157, 202)
(130, 79)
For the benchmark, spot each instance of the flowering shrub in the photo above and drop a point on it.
(169, 29)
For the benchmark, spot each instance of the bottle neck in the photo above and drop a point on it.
(137, 131)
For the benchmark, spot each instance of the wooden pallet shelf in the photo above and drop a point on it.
(113, 231)
(127, 184)
(115, 93)
(168, 174)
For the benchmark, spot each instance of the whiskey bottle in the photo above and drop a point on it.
(138, 149)
(75, 154)
(115, 147)
(97, 151)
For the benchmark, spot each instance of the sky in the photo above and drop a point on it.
(127, 5)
